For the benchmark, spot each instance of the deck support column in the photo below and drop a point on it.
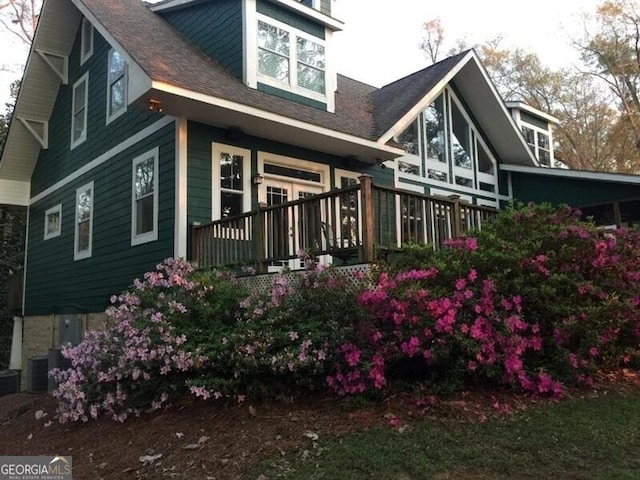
(367, 252)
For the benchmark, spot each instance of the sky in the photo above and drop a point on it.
(380, 40)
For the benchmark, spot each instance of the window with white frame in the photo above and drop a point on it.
(86, 41)
(53, 222)
(84, 221)
(538, 141)
(291, 59)
(444, 145)
(116, 85)
(231, 181)
(79, 100)
(144, 203)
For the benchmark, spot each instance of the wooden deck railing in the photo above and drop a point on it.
(350, 222)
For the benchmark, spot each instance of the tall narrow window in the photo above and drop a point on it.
(117, 86)
(53, 222)
(86, 40)
(79, 111)
(84, 221)
(231, 180)
(144, 213)
(460, 138)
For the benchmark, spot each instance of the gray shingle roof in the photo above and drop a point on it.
(391, 102)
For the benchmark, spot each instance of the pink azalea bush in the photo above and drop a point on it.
(140, 361)
(536, 300)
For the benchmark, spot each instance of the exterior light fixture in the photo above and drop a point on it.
(155, 105)
(257, 179)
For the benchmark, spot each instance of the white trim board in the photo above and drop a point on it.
(96, 162)
(575, 174)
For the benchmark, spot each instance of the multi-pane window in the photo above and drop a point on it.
(53, 222)
(79, 111)
(539, 143)
(231, 184)
(117, 85)
(231, 167)
(86, 40)
(84, 221)
(144, 214)
(290, 58)
(443, 145)
(311, 65)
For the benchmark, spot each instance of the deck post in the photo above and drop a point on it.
(367, 252)
(195, 244)
(456, 221)
(259, 238)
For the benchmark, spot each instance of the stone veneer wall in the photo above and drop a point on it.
(13, 221)
(40, 333)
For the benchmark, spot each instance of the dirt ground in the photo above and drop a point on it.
(212, 441)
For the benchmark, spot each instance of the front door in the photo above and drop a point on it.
(292, 229)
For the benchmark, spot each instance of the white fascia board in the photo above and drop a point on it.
(574, 174)
(171, 5)
(427, 100)
(503, 107)
(272, 117)
(533, 111)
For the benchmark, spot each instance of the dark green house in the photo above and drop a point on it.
(220, 131)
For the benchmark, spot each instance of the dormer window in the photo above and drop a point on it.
(291, 59)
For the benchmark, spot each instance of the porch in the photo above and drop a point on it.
(348, 225)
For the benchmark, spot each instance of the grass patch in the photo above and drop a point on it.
(594, 438)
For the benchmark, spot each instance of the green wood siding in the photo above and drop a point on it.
(290, 18)
(216, 28)
(58, 161)
(570, 191)
(54, 281)
(291, 96)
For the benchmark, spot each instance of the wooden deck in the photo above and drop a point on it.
(351, 222)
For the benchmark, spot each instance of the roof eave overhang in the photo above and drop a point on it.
(620, 178)
(255, 122)
(39, 88)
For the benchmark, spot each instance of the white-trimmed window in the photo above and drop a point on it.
(291, 59)
(144, 204)
(538, 141)
(231, 181)
(86, 40)
(53, 222)
(116, 86)
(80, 98)
(84, 221)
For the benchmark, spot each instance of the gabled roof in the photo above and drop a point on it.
(398, 104)
(393, 101)
(169, 68)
